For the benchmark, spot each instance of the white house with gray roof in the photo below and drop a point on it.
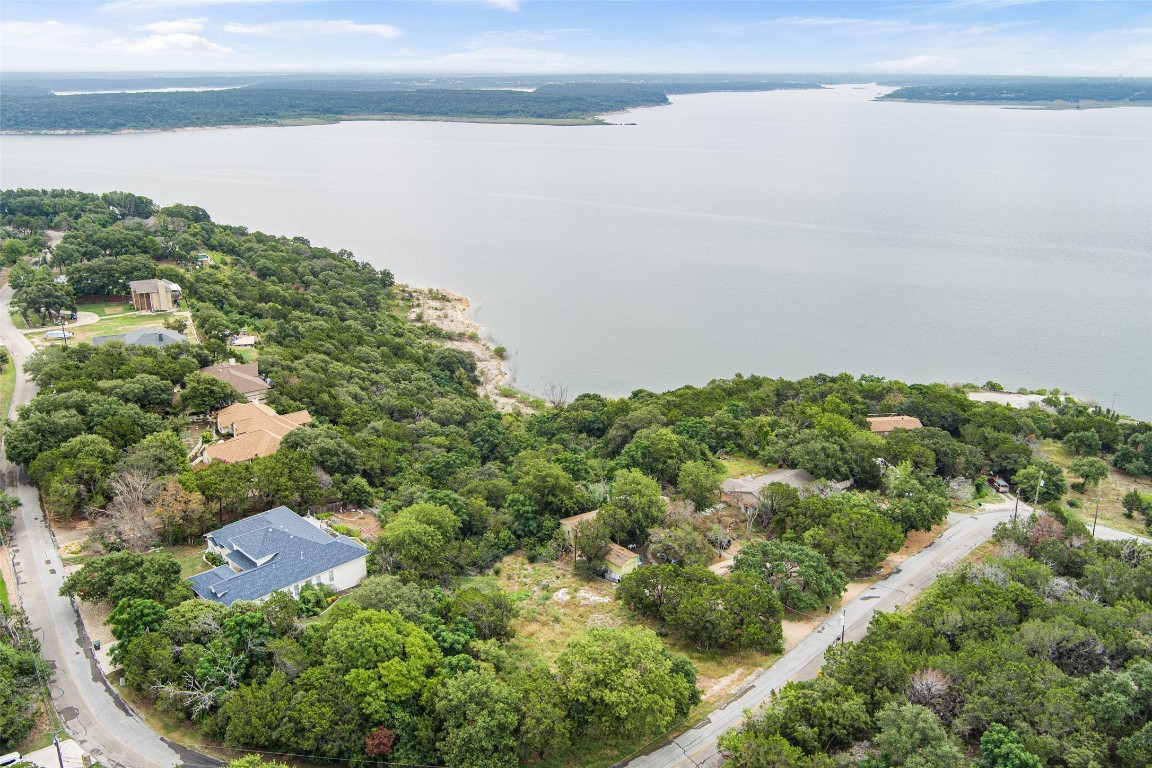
(278, 551)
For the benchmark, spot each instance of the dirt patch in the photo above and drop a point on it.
(587, 597)
(562, 595)
(362, 520)
(716, 688)
(9, 577)
(449, 312)
(95, 617)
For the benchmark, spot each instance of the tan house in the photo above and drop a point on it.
(883, 425)
(244, 378)
(256, 430)
(569, 524)
(154, 295)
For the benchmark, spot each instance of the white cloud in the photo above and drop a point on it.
(919, 64)
(46, 35)
(173, 26)
(136, 5)
(512, 36)
(176, 42)
(304, 28)
(504, 5)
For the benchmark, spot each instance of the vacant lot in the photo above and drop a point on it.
(1110, 492)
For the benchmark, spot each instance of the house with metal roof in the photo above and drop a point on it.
(278, 551)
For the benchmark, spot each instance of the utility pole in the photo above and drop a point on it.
(1096, 516)
(1016, 508)
(843, 622)
(1039, 485)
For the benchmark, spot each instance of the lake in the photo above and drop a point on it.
(784, 233)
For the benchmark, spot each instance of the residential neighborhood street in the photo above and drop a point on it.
(91, 713)
(696, 748)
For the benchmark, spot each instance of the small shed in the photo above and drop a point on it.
(620, 562)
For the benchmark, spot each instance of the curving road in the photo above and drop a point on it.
(92, 714)
(696, 748)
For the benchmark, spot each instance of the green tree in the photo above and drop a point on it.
(912, 736)
(916, 501)
(1053, 485)
(415, 543)
(634, 505)
(124, 575)
(1085, 443)
(802, 578)
(202, 393)
(477, 717)
(624, 681)
(699, 481)
(1000, 747)
(132, 618)
(1090, 470)
(681, 544)
(8, 505)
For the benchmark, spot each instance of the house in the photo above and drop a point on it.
(278, 551)
(620, 562)
(202, 260)
(244, 377)
(883, 425)
(569, 524)
(255, 429)
(144, 337)
(154, 295)
(742, 492)
(244, 340)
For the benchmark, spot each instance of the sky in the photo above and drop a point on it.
(1003, 37)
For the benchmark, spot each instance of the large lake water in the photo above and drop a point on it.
(782, 233)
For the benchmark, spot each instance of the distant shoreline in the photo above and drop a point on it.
(1055, 106)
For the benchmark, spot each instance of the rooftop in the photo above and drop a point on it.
(144, 337)
(245, 377)
(618, 555)
(889, 423)
(752, 484)
(272, 550)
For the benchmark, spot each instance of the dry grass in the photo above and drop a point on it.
(1111, 491)
(739, 466)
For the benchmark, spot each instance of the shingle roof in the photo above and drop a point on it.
(618, 555)
(577, 519)
(889, 423)
(256, 417)
(793, 477)
(144, 337)
(244, 447)
(245, 377)
(292, 550)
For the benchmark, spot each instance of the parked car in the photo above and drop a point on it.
(58, 335)
(999, 484)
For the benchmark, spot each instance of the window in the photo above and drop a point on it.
(331, 575)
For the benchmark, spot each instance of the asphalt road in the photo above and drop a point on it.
(696, 748)
(92, 714)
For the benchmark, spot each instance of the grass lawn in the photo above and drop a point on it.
(190, 557)
(107, 308)
(7, 386)
(739, 466)
(18, 321)
(1111, 491)
(108, 326)
(3, 591)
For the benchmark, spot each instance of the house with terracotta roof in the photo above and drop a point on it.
(278, 551)
(255, 430)
(243, 377)
(883, 425)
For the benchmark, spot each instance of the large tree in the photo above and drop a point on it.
(802, 577)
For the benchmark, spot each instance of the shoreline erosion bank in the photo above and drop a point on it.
(447, 312)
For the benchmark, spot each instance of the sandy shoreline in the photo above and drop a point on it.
(448, 312)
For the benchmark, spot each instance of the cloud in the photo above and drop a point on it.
(504, 5)
(512, 36)
(176, 42)
(305, 28)
(136, 5)
(922, 64)
(46, 35)
(173, 26)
